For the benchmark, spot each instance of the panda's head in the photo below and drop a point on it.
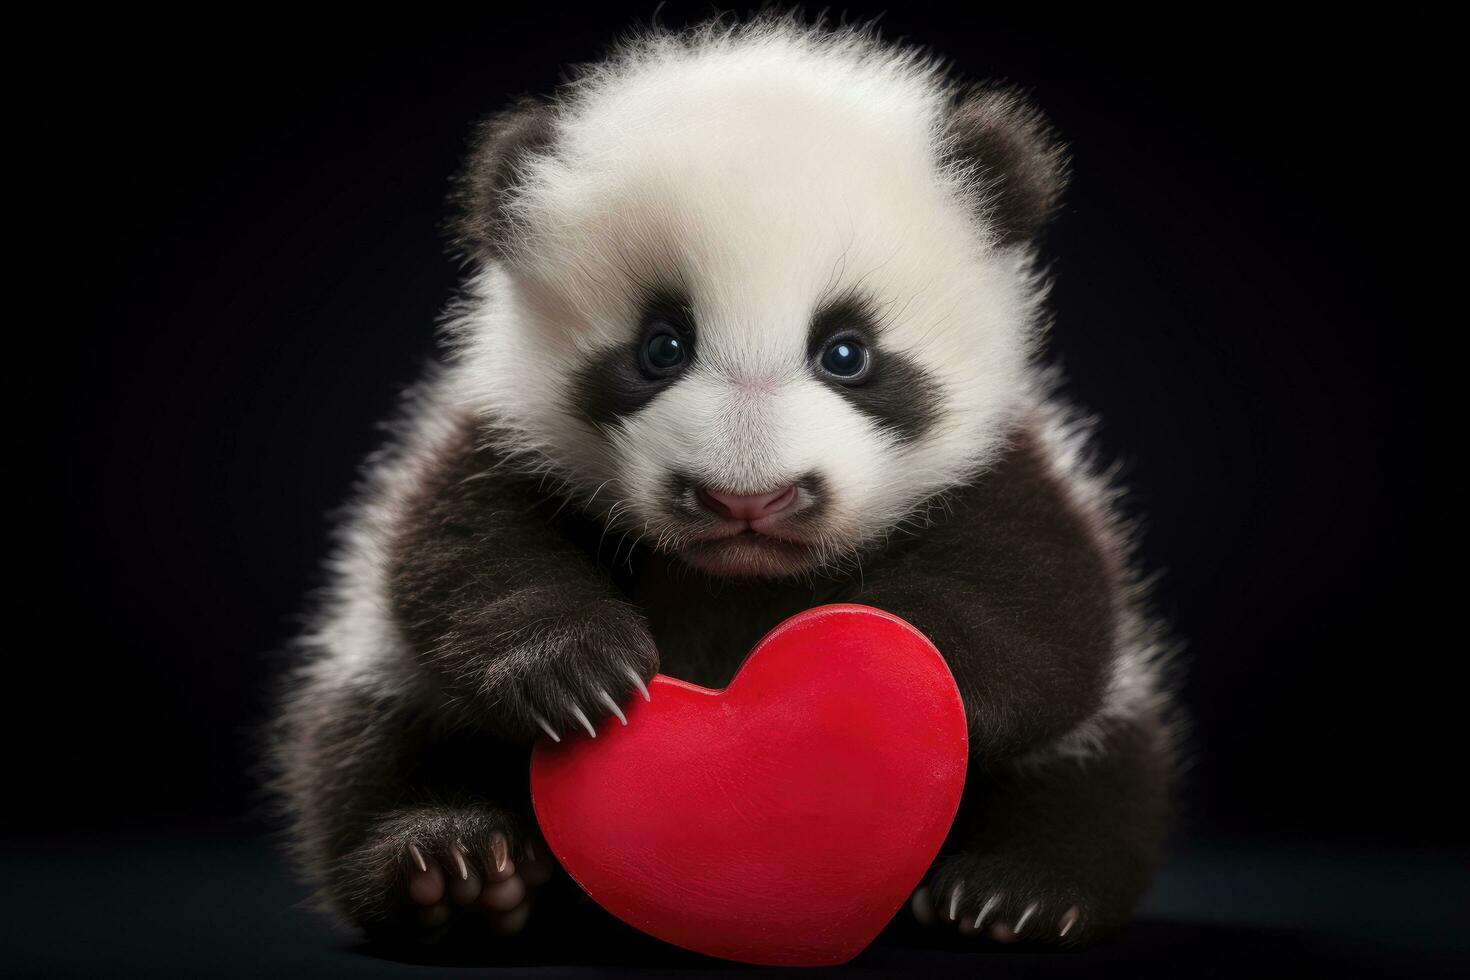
(754, 296)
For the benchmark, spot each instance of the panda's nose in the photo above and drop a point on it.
(747, 506)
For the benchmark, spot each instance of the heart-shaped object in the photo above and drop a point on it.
(782, 820)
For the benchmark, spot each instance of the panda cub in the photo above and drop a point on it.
(752, 325)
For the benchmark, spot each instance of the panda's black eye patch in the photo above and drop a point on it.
(847, 359)
(848, 353)
(619, 380)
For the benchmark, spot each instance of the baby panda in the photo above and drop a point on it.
(752, 324)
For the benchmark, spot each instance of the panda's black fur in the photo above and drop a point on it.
(537, 540)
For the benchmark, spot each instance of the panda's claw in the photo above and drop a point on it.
(500, 851)
(955, 894)
(581, 717)
(1026, 915)
(613, 705)
(987, 908)
(418, 858)
(457, 851)
(546, 728)
(638, 683)
(1069, 919)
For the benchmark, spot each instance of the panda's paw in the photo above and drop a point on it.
(431, 871)
(1007, 899)
(577, 668)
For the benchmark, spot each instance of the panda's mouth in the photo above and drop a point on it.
(762, 548)
(749, 533)
(749, 553)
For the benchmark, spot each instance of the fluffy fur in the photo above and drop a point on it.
(533, 542)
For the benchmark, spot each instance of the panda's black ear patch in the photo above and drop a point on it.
(480, 224)
(1012, 160)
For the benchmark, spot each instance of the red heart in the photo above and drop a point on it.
(782, 820)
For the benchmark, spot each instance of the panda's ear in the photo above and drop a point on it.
(480, 223)
(1011, 162)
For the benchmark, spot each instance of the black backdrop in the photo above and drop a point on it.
(251, 269)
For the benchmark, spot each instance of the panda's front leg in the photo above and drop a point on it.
(503, 610)
(1065, 806)
(1055, 851)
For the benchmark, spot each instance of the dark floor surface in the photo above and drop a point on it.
(228, 908)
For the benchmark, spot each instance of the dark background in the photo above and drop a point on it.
(249, 268)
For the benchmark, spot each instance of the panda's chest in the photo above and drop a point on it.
(704, 627)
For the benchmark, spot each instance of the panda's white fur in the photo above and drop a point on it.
(769, 170)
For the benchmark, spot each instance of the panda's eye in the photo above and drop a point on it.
(846, 359)
(664, 352)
